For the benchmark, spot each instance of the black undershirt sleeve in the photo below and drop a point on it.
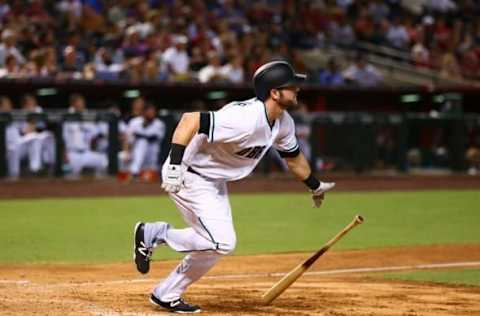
(289, 154)
(204, 123)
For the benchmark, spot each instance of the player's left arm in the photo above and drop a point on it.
(298, 165)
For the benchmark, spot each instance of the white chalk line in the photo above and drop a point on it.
(19, 282)
(90, 307)
(256, 275)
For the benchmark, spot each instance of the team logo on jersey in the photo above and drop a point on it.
(251, 152)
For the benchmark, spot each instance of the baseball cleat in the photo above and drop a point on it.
(141, 254)
(326, 186)
(176, 306)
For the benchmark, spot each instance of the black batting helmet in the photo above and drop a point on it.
(274, 75)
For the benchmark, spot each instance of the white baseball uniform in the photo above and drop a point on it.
(20, 147)
(145, 139)
(229, 145)
(78, 137)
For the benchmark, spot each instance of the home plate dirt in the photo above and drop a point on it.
(340, 283)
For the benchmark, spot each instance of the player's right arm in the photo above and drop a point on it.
(190, 124)
(229, 124)
(187, 128)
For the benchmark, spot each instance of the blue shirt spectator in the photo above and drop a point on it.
(331, 76)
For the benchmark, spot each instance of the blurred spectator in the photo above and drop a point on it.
(170, 40)
(50, 65)
(212, 72)
(442, 34)
(105, 67)
(330, 76)
(342, 32)
(4, 10)
(198, 60)
(364, 26)
(397, 35)
(442, 6)
(70, 69)
(70, 7)
(11, 68)
(362, 74)
(420, 54)
(133, 45)
(379, 10)
(233, 71)
(8, 48)
(449, 67)
(176, 59)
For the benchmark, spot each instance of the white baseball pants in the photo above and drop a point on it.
(27, 146)
(205, 207)
(87, 159)
(145, 155)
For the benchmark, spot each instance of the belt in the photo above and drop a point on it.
(190, 169)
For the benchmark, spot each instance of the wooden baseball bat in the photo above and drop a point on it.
(293, 275)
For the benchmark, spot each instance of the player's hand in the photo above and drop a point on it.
(319, 194)
(172, 178)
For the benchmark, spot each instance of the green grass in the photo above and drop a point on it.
(100, 229)
(457, 277)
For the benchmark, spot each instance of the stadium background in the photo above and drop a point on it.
(389, 112)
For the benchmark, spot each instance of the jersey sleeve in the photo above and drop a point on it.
(229, 124)
(286, 142)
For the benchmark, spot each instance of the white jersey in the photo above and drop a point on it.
(12, 136)
(153, 132)
(78, 136)
(239, 135)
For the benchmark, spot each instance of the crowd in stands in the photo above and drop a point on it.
(224, 40)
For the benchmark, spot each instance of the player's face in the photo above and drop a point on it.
(288, 97)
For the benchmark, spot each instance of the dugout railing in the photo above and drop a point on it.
(348, 138)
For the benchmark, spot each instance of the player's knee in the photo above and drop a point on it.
(227, 247)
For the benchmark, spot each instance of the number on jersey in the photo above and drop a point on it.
(251, 152)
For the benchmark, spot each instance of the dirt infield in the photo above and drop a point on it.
(42, 188)
(234, 286)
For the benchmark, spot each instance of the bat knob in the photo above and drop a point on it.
(359, 219)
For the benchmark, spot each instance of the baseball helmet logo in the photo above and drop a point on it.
(275, 75)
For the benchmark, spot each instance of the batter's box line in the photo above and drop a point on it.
(256, 275)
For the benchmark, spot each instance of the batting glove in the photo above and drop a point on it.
(172, 178)
(319, 194)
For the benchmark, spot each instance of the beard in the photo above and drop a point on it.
(286, 103)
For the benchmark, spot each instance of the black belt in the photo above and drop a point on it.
(190, 169)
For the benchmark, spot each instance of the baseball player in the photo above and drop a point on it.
(22, 143)
(209, 149)
(41, 137)
(78, 138)
(144, 136)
